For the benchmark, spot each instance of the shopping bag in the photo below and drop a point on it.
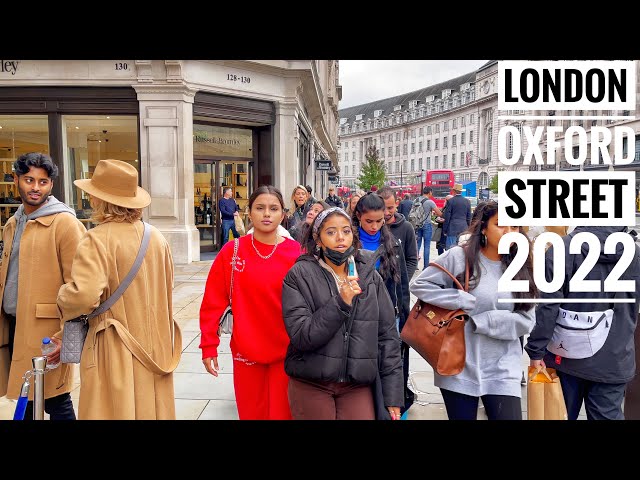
(545, 400)
(437, 234)
(239, 225)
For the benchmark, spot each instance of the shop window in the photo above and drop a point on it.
(87, 139)
(19, 134)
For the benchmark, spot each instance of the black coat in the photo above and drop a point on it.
(615, 361)
(405, 207)
(457, 216)
(398, 292)
(332, 341)
(334, 201)
(403, 231)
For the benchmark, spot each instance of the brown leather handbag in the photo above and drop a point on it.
(436, 333)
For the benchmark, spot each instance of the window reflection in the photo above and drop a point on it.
(88, 139)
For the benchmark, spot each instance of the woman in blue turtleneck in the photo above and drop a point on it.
(390, 263)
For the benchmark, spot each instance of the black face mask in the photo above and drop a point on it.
(337, 257)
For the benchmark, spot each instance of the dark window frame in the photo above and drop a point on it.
(57, 101)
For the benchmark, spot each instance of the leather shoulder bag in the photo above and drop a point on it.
(75, 330)
(436, 333)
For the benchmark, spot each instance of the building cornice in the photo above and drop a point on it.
(424, 120)
(181, 92)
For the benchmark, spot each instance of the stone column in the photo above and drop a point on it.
(166, 159)
(285, 149)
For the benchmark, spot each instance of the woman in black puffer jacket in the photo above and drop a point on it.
(342, 329)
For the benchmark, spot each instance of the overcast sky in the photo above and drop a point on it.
(365, 81)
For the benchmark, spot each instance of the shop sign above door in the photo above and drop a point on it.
(222, 141)
(323, 164)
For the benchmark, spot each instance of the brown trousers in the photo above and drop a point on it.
(311, 400)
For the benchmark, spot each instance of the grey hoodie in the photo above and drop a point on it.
(51, 207)
(493, 363)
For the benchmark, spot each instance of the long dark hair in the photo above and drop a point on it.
(309, 245)
(481, 216)
(389, 268)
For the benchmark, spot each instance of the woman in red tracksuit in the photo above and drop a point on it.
(259, 341)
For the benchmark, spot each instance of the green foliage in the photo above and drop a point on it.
(372, 171)
(493, 185)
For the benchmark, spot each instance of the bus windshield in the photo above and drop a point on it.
(441, 192)
(441, 182)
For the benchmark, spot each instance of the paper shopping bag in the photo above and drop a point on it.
(544, 395)
(239, 224)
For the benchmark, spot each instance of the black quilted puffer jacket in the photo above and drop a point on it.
(332, 341)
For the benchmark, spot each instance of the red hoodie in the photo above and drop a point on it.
(258, 328)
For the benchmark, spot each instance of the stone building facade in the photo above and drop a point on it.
(190, 127)
(455, 125)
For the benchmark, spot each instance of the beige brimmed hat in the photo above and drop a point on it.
(116, 182)
(458, 187)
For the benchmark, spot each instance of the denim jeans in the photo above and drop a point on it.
(58, 408)
(226, 226)
(602, 401)
(452, 240)
(425, 233)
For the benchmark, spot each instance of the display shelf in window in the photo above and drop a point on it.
(9, 196)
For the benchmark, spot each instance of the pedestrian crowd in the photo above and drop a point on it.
(319, 292)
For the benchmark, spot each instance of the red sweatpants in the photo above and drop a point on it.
(261, 390)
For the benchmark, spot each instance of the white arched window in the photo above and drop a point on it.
(483, 179)
(510, 149)
(488, 146)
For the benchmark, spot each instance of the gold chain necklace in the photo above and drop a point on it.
(272, 251)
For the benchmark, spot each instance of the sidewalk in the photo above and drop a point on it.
(199, 396)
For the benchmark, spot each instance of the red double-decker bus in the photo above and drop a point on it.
(441, 181)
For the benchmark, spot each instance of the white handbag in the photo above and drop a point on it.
(580, 334)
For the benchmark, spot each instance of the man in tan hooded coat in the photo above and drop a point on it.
(40, 241)
(127, 363)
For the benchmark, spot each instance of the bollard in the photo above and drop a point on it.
(39, 366)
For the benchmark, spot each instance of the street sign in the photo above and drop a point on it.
(323, 164)
(333, 178)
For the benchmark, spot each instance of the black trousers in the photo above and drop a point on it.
(12, 332)
(465, 407)
(58, 408)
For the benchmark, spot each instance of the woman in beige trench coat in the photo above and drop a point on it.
(131, 350)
